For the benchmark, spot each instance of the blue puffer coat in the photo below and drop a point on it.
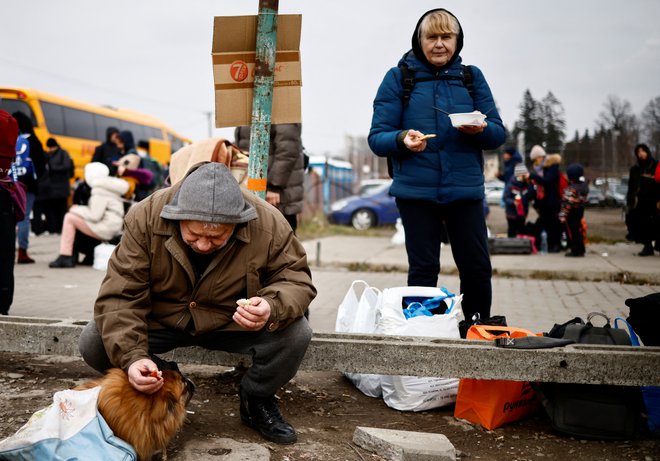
(451, 167)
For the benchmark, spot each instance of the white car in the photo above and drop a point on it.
(494, 192)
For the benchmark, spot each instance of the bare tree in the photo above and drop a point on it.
(650, 121)
(620, 125)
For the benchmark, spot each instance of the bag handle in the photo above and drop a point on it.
(634, 339)
(599, 314)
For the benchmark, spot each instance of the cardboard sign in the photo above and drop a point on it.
(234, 52)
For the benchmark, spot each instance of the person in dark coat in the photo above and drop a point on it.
(440, 179)
(9, 205)
(518, 194)
(510, 158)
(572, 209)
(54, 189)
(286, 168)
(545, 176)
(108, 152)
(643, 199)
(30, 180)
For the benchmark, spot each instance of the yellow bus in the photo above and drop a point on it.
(79, 127)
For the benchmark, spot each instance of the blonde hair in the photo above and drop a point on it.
(438, 22)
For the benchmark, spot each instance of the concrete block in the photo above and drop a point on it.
(396, 445)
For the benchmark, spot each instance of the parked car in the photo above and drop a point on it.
(596, 197)
(367, 185)
(376, 207)
(494, 192)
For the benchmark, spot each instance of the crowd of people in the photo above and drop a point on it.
(560, 197)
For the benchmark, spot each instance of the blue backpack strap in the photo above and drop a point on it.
(633, 336)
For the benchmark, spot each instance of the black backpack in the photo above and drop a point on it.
(590, 410)
(408, 80)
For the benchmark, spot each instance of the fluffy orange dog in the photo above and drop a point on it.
(148, 422)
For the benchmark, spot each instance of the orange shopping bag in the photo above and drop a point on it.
(494, 403)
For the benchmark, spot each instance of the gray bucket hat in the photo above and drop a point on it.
(209, 194)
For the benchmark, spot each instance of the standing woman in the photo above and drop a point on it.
(643, 201)
(439, 179)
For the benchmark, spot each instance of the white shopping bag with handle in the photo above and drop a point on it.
(359, 314)
(411, 393)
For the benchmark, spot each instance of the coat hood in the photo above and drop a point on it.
(515, 157)
(552, 159)
(129, 142)
(24, 123)
(110, 184)
(417, 48)
(109, 132)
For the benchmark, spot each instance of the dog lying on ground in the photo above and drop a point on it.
(148, 422)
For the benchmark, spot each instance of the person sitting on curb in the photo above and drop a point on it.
(101, 219)
(204, 263)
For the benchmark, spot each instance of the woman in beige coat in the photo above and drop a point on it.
(102, 218)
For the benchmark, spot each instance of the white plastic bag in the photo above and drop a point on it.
(411, 393)
(102, 254)
(359, 314)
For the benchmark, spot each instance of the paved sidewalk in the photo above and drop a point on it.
(527, 300)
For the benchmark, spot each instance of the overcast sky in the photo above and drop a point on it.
(154, 56)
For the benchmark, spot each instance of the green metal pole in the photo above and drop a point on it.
(262, 99)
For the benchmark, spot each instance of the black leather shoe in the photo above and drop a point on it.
(263, 415)
(62, 261)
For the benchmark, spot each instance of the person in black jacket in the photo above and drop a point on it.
(643, 199)
(286, 168)
(30, 180)
(54, 189)
(108, 152)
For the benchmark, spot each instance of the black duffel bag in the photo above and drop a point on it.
(607, 412)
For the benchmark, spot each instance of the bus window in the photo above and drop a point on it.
(176, 143)
(156, 133)
(102, 125)
(139, 132)
(14, 105)
(79, 124)
(53, 117)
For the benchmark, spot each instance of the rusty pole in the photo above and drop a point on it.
(262, 99)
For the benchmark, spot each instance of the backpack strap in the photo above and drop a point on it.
(468, 80)
(408, 81)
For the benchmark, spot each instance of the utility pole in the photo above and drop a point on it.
(262, 99)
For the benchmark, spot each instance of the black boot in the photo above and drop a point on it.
(646, 251)
(62, 261)
(263, 415)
